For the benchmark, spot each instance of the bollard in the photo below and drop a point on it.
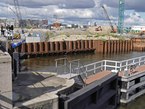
(16, 63)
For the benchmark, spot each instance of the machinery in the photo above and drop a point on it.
(120, 18)
(111, 25)
(15, 45)
(18, 14)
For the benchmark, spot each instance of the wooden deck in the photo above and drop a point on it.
(137, 70)
(96, 76)
(102, 74)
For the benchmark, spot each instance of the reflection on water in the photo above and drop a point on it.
(138, 103)
(48, 64)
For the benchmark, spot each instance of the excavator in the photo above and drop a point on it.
(111, 25)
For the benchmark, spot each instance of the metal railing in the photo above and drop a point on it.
(76, 67)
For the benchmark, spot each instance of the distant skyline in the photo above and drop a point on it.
(75, 11)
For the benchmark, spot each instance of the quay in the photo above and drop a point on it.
(75, 46)
(98, 85)
(62, 47)
(49, 90)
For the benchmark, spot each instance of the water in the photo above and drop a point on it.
(48, 64)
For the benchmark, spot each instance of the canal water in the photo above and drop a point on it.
(47, 63)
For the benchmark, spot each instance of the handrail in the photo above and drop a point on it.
(80, 68)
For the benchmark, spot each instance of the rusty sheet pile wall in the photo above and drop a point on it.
(138, 44)
(113, 46)
(56, 47)
(100, 46)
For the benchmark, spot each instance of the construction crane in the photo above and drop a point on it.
(121, 16)
(18, 13)
(111, 25)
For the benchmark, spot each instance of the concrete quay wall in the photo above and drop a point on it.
(5, 81)
(43, 102)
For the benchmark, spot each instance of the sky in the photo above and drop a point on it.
(75, 11)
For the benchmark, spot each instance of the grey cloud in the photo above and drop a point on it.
(78, 4)
(60, 3)
(137, 5)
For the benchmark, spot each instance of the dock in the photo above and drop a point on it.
(131, 75)
(98, 85)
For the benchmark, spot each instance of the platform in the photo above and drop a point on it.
(38, 89)
(97, 76)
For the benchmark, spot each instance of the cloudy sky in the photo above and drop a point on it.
(76, 11)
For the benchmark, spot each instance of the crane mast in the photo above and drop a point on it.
(121, 16)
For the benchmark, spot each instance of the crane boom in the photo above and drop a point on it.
(18, 13)
(111, 25)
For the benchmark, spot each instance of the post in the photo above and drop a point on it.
(70, 69)
(116, 66)
(78, 66)
(139, 61)
(56, 66)
(65, 65)
(126, 64)
(105, 65)
(94, 68)
(101, 65)
(86, 72)
(120, 66)
(16, 63)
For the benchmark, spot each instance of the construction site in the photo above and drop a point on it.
(71, 66)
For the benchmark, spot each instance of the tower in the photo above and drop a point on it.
(121, 16)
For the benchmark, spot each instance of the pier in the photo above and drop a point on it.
(100, 82)
(131, 75)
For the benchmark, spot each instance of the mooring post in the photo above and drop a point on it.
(105, 65)
(16, 63)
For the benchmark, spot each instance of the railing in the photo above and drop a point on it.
(61, 65)
(76, 67)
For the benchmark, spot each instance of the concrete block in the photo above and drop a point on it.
(5, 82)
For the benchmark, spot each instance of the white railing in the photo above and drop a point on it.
(77, 67)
